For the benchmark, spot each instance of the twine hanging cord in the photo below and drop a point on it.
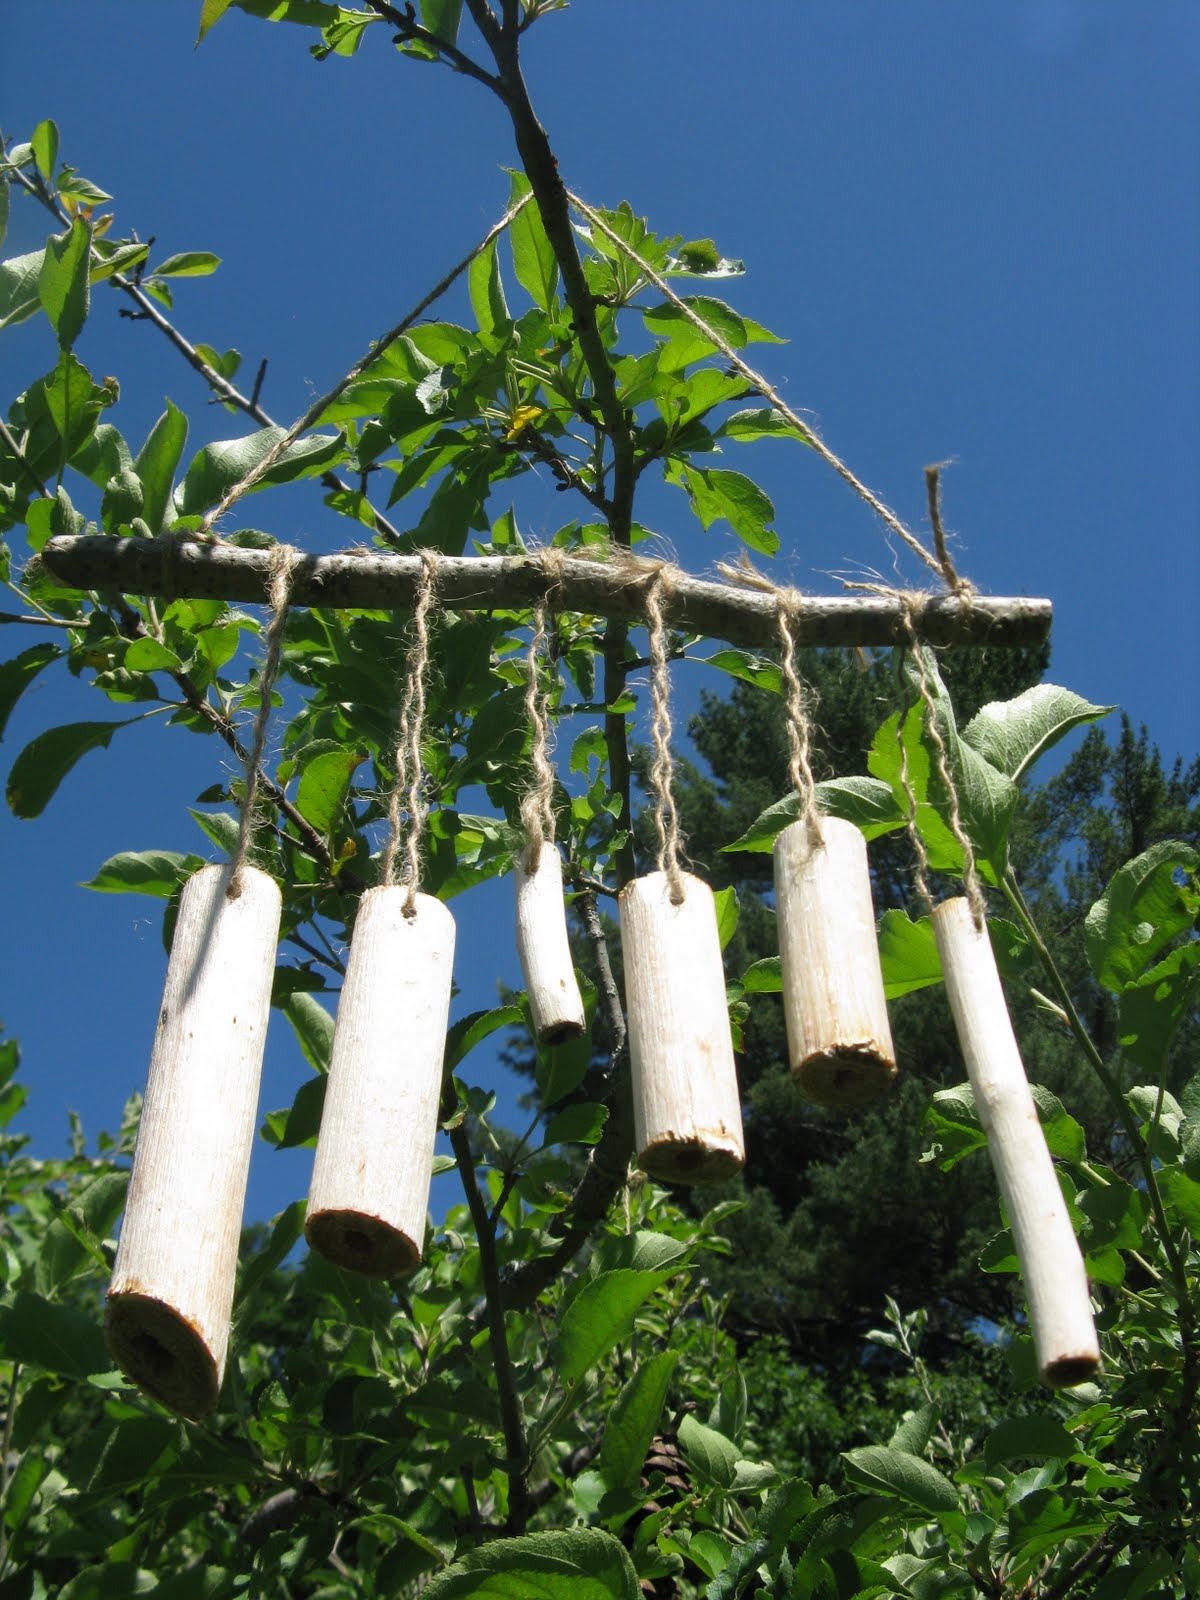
(537, 804)
(662, 769)
(406, 793)
(283, 562)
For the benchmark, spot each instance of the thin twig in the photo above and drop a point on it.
(511, 1415)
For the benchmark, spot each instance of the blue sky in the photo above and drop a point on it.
(977, 224)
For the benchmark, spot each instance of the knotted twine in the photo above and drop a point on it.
(407, 789)
(279, 585)
(537, 805)
(662, 770)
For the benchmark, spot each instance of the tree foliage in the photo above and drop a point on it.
(589, 1385)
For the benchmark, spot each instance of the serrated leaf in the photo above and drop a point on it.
(908, 954)
(187, 264)
(533, 255)
(907, 1477)
(44, 143)
(633, 1421)
(866, 802)
(16, 676)
(46, 761)
(582, 1123)
(219, 466)
(154, 872)
(63, 283)
(487, 290)
(759, 423)
(717, 494)
(1012, 734)
(581, 1564)
(1143, 909)
(467, 1032)
(211, 13)
(709, 1453)
(725, 902)
(324, 783)
(1035, 1438)
(313, 1026)
(601, 1314)
(156, 465)
(763, 674)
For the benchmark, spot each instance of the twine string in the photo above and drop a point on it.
(662, 770)
(975, 898)
(407, 790)
(279, 584)
(537, 805)
(799, 728)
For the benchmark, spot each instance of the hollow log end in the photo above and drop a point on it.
(162, 1352)
(675, 1159)
(561, 1031)
(1064, 1372)
(361, 1243)
(846, 1077)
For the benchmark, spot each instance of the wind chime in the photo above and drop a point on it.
(171, 1295)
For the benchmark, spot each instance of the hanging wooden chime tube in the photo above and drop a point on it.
(542, 944)
(839, 1040)
(171, 1296)
(687, 1114)
(1052, 1270)
(369, 1195)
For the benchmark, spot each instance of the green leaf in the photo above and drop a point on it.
(487, 291)
(758, 423)
(325, 774)
(908, 953)
(287, 1231)
(1030, 1438)
(763, 977)
(154, 872)
(441, 18)
(16, 676)
(210, 14)
(582, 1564)
(44, 141)
(599, 1316)
(19, 286)
(219, 466)
(717, 494)
(866, 802)
(913, 1433)
(763, 674)
(313, 1025)
(1012, 734)
(1150, 1011)
(156, 464)
(1143, 909)
(633, 1421)
(685, 342)
(77, 1232)
(63, 282)
(561, 1068)
(45, 762)
(907, 1477)
(301, 1122)
(188, 264)
(467, 1032)
(4, 208)
(725, 902)
(709, 1453)
(582, 1123)
(533, 254)
(54, 1338)
(147, 655)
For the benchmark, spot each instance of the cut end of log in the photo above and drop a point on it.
(160, 1350)
(561, 1032)
(363, 1244)
(845, 1078)
(1066, 1371)
(710, 1159)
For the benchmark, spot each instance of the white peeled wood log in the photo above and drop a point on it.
(839, 1040)
(1056, 1288)
(544, 950)
(687, 1115)
(171, 1294)
(370, 1185)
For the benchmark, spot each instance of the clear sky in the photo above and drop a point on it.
(976, 223)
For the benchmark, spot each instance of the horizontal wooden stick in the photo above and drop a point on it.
(172, 568)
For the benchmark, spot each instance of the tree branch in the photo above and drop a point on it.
(511, 1416)
(595, 586)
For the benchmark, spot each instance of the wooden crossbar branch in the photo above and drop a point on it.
(176, 568)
